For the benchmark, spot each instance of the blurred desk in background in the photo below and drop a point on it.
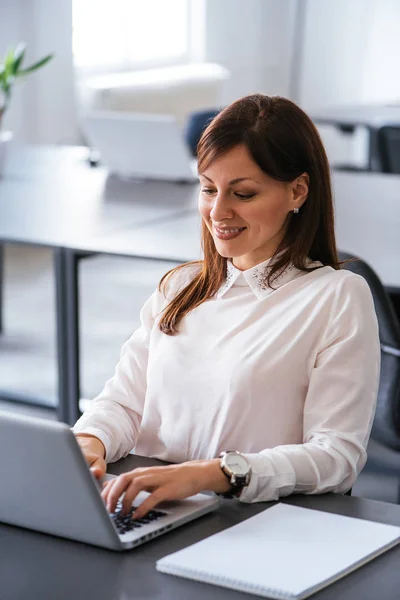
(49, 196)
(371, 117)
(367, 220)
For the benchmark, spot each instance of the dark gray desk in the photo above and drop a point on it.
(49, 196)
(34, 565)
(369, 116)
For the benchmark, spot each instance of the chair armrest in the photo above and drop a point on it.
(390, 350)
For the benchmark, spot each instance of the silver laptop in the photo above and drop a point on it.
(46, 486)
(142, 146)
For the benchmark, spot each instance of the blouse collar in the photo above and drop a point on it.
(257, 278)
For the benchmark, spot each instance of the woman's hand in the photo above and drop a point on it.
(172, 482)
(94, 453)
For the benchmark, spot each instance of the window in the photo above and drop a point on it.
(124, 34)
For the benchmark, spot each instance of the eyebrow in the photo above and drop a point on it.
(233, 181)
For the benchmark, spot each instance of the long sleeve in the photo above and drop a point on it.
(115, 415)
(339, 407)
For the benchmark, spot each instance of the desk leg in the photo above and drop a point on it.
(66, 277)
(374, 157)
(1, 286)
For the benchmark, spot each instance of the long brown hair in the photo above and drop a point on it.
(284, 143)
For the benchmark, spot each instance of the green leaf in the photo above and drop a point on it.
(18, 57)
(9, 62)
(6, 80)
(35, 66)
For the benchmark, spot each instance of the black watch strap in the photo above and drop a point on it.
(233, 493)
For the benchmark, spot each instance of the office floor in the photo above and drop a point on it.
(112, 290)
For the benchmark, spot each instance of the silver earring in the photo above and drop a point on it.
(296, 210)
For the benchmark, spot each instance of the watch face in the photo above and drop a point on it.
(237, 463)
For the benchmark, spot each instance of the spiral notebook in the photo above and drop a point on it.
(285, 552)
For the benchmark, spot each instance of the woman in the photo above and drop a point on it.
(265, 349)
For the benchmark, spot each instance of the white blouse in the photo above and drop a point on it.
(287, 375)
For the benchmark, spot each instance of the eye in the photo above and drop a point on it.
(207, 191)
(244, 196)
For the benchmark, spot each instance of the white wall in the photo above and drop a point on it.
(333, 53)
(381, 77)
(253, 40)
(349, 56)
(43, 106)
(350, 52)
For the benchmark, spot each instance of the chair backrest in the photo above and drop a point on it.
(386, 427)
(388, 138)
(196, 124)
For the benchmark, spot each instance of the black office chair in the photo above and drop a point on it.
(196, 124)
(388, 140)
(386, 426)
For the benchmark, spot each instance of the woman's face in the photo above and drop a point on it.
(244, 209)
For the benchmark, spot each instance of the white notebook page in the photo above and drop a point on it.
(286, 548)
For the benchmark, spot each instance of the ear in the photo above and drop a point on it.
(299, 189)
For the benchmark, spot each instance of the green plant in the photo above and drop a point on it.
(11, 70)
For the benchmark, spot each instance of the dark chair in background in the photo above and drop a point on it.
(196, 124)
(350, 168)
(386, 427)
(388, 138)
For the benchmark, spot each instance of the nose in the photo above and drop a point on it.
(221, 209)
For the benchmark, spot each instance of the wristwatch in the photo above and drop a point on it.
(237, 469)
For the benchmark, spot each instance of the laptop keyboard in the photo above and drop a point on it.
(125, 523)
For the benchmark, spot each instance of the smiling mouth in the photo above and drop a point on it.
(228, 233)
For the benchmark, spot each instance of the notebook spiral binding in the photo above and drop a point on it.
(228, 582)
